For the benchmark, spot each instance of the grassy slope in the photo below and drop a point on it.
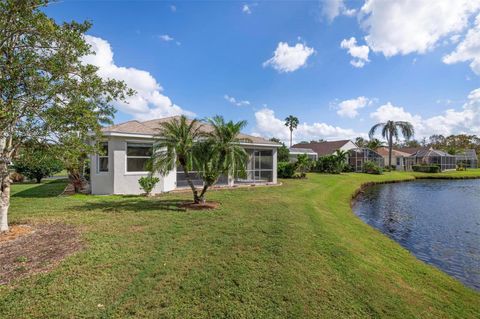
(290, 251)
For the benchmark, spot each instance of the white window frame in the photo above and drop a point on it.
(127, 172)
(104, 156)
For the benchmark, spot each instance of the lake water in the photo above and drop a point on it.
(437, 220)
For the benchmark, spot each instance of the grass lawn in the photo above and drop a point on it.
(294, 251)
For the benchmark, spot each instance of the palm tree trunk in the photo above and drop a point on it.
(190, 183)
(202, 194)
(291, 135)
(390, 150)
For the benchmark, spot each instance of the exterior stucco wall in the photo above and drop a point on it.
(348, 146)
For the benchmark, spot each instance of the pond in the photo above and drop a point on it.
(437, 220)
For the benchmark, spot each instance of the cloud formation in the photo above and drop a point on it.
(165, 37)
(236, 102)
(289, 58)
(349, 108)
(149, 102)
(330, 9)
(468, 50)
(451, 121)
(404, 26)
(359, 53)
(268, 125)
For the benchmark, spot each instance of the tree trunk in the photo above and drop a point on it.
(39, 180)
(77, 180)
(4, 197)
(291, 137)
(390, 150)
(196, 200)
(201, 198)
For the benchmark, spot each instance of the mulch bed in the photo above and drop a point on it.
(201, 206)
(38, 250)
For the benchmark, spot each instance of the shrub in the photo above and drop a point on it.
(329, 164)
(303, 165)
(371, 167)
(286, 169)
(461, 167)
(426, 168)
(148, 183)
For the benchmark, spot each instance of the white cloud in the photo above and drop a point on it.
(451, 121)
(246, 9)
(236, 102)
(149, 102)
(333, 8)
(359, 53)
(406, 26)
(289, 58)
(468, 49)
(349, 108)
(165, 37)
(268, 125)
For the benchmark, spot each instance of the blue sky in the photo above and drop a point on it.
(207, 58)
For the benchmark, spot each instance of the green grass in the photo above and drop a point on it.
(294, 251)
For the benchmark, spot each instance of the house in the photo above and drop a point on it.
(468, 158)
(128, 146)
(430, 156)
(398, 156)
(326, 148)
(294, 152)
(355, 158)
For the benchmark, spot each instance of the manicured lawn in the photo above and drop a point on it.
(294, 251)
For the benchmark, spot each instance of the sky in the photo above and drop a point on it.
(338, 66)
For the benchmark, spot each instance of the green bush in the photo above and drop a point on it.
(426, 168)
(371, 167)
(148, 183)
(36, 162)
(286, 170)
(329, 164)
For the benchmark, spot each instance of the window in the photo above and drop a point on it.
(102, 163)
(137, 156)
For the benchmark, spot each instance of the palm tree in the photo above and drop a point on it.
(341, 158)
(374, 143)
(174, 146)
(391, 130)
(291, 122)
(220, 153)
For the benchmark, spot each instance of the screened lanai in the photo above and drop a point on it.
(467, 159)
(259, 167)
(434, 157)
(358, 156)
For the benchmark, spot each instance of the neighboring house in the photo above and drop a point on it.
(128, 146)
(326, 148)
(431, 156)
(468, 158)
(356, 156)
(294, 152)
(398, 157)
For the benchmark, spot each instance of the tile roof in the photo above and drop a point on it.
(384, 152)
(151, 127)
(323, 148)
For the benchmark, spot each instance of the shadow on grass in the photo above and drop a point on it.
(134, 205)
(51, 188)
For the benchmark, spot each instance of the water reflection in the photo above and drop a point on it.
(438, 221)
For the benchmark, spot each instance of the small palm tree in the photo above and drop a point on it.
(291, 122)
(341, 157)
(391, 130)
(174, 146)
(220, 153)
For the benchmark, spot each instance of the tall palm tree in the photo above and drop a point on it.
(220, 153)
(391, 130)
(174, 146)
(291, 122)
(374, 143)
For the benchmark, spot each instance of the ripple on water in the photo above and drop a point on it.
(438, 221)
